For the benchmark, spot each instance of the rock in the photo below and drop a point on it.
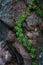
(11, 36)
(30, 35)
(36, 34)
(1, 62)
(33, 19)
(3, 31)
(21, 50)
(7, 56)
(4, 54)
(9, 16)
(27, 62)
(27, 2)
(41, 26)
(19, 8)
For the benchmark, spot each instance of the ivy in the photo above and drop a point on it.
(39, 12)
(34, 63)
(38, 4)
(22, 38)
(41, 49)
(19, 32)
(32, 55)
(33, 50)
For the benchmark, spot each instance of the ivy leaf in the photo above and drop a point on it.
(18, 23)
(28, 48)
(27, 11)
(34, 63)
(18, 29)
(24, 42)
(39, 12)
(19, 39)
(29, 43)
(41, 49)
(32, 55)
(21, 35)
(17, 33)
(22, 17)
(33, 50)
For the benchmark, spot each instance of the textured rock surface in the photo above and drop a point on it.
(3, 31)
(7, 15)
(31, 27)
(4, 54)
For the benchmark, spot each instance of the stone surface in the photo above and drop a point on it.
(33, 19)
(7, 15)
(32, 27)
(5, 56)
(11, 36)
(27, 2)
(3, 31)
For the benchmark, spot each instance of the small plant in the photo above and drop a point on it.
(33, 50)
(39, 12)
(41, 49)
(38, 4)
(32, 55)
(34, 63)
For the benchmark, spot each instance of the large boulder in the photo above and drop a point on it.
(8, 15)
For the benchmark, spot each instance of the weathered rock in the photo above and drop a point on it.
(33, 19)
(21, 50)
(4, 54)
(30, 35)
(3, 31)
(8, 15)
(27, 2)
(11, 36)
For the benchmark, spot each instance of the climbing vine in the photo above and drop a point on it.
(39, 7)
(21, 37)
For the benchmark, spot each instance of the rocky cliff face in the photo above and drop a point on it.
(32, 28)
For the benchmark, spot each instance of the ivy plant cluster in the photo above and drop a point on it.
(38, 4)
(22, 38)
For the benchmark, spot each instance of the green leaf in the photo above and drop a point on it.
(33, 50)
(32, 55)
(29, 43)
(27, 11)
(34, 63)
(39, 12)
(18, 23)
(28, 48)
(17, 33)
(19, 39)
(21, 35)
(41, 49)
(24, 42)
(22, 17)
(18, 29)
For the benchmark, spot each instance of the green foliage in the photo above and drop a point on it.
(41, 49)
(32, 55)
(39, 12)
(35, 63)
(38, 4)
(33, 50)
(27, 11)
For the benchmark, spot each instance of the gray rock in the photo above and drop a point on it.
(7, 15)
(27, 2)
(1, 62)
(3, 31)
(33, 19)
